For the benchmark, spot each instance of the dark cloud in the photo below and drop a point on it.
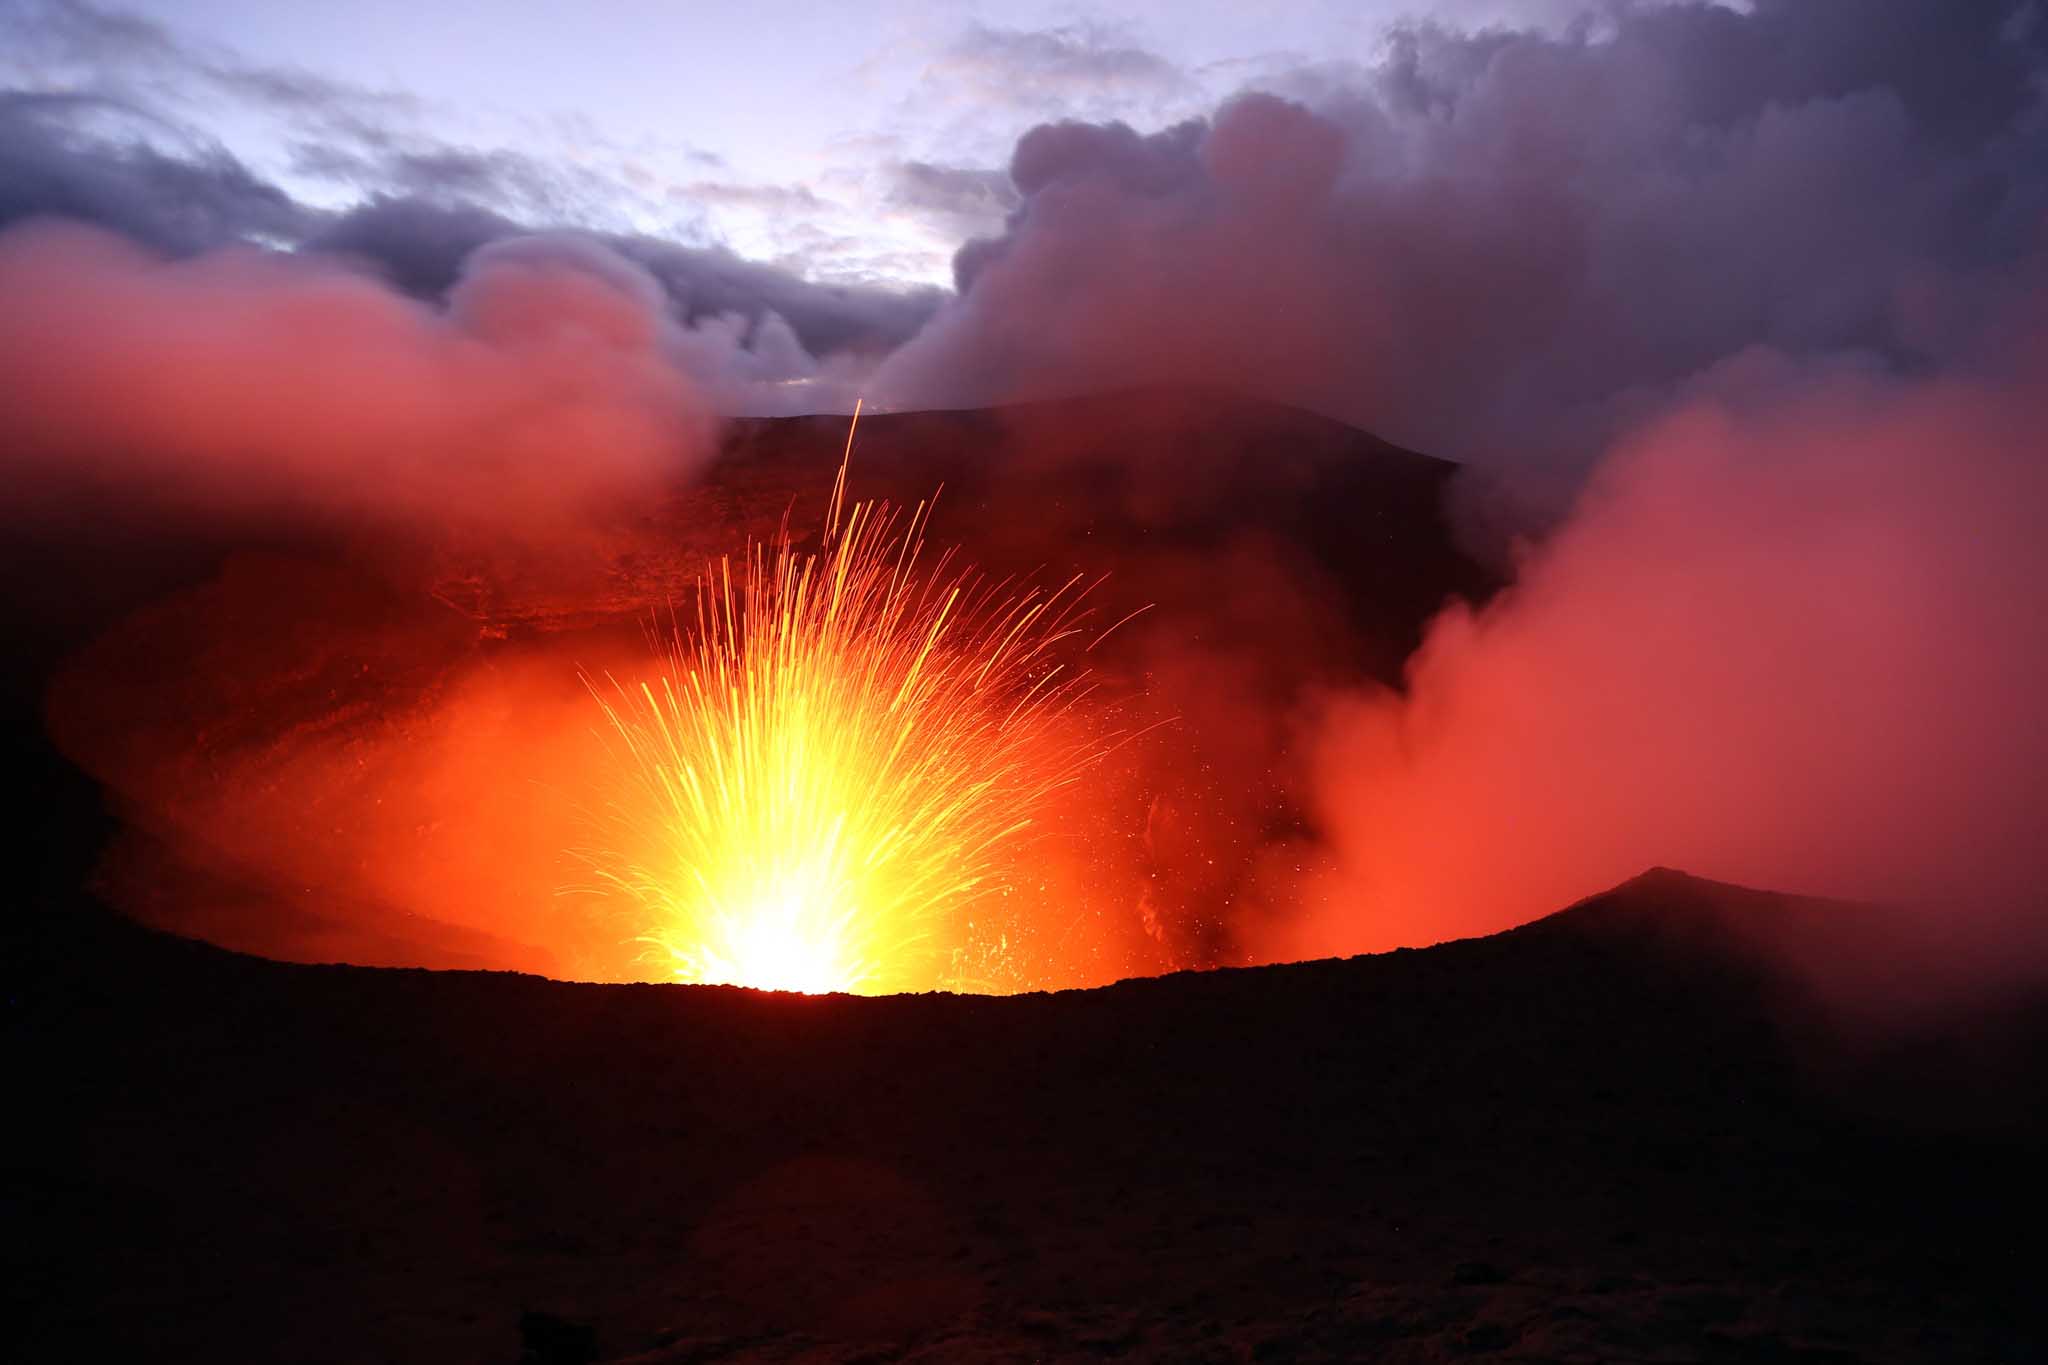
(958, 202)
(710, 281)
(115, 50)
(71, 31)
(335, 104)
(418, 244)
(497, 178)
(1963, 69)
(355, 137)
(118, 158)
(114, 165)
(1068, 152)
(1507, 246)
(100, 160)
(421, 244)
(951, 189)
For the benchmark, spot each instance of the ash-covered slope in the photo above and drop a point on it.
(1627, 1131)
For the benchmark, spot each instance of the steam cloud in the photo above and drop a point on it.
(1506, 248)
(242, 385)
(1800, 644)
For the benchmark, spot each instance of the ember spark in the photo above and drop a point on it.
(843, 759)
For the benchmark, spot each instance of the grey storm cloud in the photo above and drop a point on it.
(417, 243)
(964, 201)
(1506, 245)
(60, 155)
(710, 281)
(421, 244)
(122, 50)
(496, 177)
(348, 134)
(111, 164)
(951, 189)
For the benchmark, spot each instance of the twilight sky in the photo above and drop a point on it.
(1504, 231)
(776, 128)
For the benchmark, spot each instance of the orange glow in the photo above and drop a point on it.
(839, 764)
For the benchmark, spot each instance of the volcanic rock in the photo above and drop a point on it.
(1638, 1104)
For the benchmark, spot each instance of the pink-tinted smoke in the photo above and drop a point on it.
(250, 387)
(1795, 635)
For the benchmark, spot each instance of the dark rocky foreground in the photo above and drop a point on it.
(1620, 1133)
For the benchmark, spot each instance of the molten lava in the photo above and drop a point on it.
(835, 771)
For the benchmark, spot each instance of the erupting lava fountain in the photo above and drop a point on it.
(842, 761)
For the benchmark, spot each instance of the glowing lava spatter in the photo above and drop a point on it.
(843, 759)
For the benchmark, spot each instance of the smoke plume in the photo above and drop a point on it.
(1796, 640)
(246, 387)
(1509, 247)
